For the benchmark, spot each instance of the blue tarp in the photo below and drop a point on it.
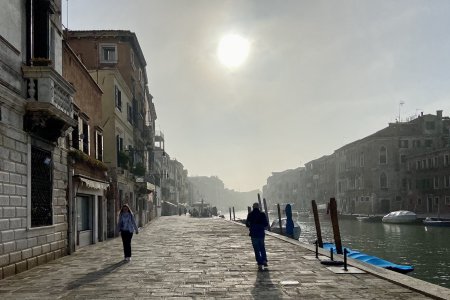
(373, 260)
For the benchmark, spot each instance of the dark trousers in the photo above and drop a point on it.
(260, 250)
(126, 241)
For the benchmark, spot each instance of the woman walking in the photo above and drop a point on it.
(126, 226)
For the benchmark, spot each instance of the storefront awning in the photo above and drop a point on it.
(93, 184)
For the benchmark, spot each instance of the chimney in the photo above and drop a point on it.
(439, 114)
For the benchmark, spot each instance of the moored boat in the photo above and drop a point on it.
(438, 222)
(400, 216)
(275, 227)
(373, 260)
(368, 219)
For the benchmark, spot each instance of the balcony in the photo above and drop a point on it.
(49, 110)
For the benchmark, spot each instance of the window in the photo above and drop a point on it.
(118, 98)
(428, 143)
(108, 53)
(436, 182)
(383, 156)
(424, 163)
(119, 147)
(404, 144)
(447, 181)
(99, 146)
(429, 125)
(132, 60)
(383, 181)
(446, 160)
(436, 201)
(430, 163)
(85, 137)
(435, 161)
(129, 113)
(403, 158)
(361, 160)
(76, 134)
(41, 187)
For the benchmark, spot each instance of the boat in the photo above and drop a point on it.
(275, 227)
(438, 222)
(400, 216)
(373, 260)
(368, 219)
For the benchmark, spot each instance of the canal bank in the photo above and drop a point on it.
(198, 258)
(426, 248)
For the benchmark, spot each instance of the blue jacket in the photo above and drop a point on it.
(257, 222)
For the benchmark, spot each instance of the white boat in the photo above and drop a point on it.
(400, 216)
(275, 227)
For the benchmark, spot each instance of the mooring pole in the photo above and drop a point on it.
(234, 216)
(249, 209)
(259, 201)
(267, 213)
(345, 259)
(279, 218)
(317, 222)
(230, 213)
(335, 224)
(317, 249)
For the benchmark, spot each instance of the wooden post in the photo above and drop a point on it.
(279, 218)
(249, 209)
(230, 212)
(267, 213)
(317, 222)
(259, 201)
(234, 216)
(335, 224)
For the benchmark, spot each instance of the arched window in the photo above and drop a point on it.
(383, 181)
(383, 155)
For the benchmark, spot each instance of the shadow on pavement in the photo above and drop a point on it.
(93, 276)
(264, 288)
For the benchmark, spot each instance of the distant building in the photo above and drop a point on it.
(403, 166)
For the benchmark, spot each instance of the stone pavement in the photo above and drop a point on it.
(188, 258)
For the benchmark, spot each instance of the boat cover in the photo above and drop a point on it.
(373, 260)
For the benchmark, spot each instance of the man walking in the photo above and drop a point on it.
(257, 222)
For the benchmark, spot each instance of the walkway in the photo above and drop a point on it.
(187, 258)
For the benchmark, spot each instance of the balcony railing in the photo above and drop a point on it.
(45, 85)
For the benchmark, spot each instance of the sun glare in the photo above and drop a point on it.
(233, 50)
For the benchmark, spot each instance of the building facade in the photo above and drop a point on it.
(35, 115)
(117, 64)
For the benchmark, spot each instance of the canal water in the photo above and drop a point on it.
(425, 248)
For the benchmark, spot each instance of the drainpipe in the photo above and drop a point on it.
(71, 246)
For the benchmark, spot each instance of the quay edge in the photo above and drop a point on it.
(428, 289)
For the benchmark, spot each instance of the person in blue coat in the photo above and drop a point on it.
(257, 222)
(127, 226)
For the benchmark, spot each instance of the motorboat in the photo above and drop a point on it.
(400, 216)
(275, 227)
(438, 222)
(373, 260)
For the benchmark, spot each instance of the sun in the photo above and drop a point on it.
(233, 50)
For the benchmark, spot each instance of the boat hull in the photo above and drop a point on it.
(400, 217)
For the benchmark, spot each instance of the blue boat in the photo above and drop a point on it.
(373, 260)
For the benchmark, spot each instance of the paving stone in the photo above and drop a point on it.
(187, 258)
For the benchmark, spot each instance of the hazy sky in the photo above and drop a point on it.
(319, 74)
